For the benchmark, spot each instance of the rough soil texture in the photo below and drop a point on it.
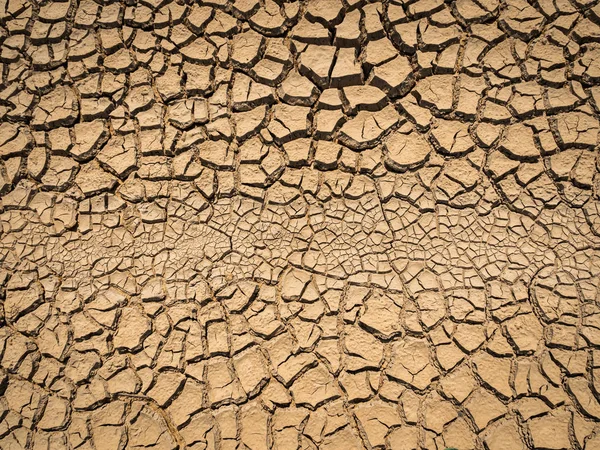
(323, 224)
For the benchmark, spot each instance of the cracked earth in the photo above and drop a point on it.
(322, 224)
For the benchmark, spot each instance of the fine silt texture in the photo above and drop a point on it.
(281, 225)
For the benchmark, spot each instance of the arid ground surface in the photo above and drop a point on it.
(323, 224)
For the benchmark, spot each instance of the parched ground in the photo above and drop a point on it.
(322, 224)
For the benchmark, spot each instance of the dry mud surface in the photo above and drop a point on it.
(323, 224)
